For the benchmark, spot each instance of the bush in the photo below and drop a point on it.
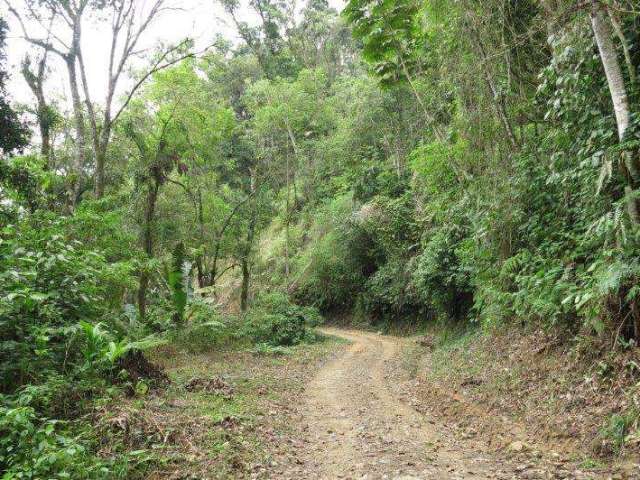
(48, 285)
(204, 328)
(275, 321)
(620, 429)
(440, 280)
(31, 448)
(387, 295)
(333, 270)
(330, 257)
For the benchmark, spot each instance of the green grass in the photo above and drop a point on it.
(589, 463)
(201, 441)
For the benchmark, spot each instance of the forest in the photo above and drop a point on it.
(436, 191)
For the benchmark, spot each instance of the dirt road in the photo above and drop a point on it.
(355, 425)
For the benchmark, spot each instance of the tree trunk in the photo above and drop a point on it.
(142, 295)
(78, 117)
(214, 271)
(603, 34)
(35, 81)
(200, 271)
(147, 242)
(45, 148)
(626, 48)
(44, 125)
(287, 221)
(608, 56)
(498, 98)
(101, 149)
(91, 113)
(244, 261)
(200, 215)
(244, 291)
(101, 156)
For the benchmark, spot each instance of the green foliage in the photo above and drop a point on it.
(268, 349)
(100, 350)
(177, 281)
(205, 329)
(618, 431)
(14, 134)
(441, 279)
(466, 221)
(31, 449)
(330, 271)
(483, 184)
(390, 33)
(49, 284)
(275, 321)
(22, 181)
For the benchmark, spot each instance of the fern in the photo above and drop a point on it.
(611, 227)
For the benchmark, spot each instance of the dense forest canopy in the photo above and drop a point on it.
(399, 162)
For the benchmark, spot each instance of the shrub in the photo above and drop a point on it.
(177, 279)
(441, 281)
(48, 284)
(619, 429)
(329, 269)
(387, 295)
(32, 448)
(204, 328)
(333, 271)
(275, 321)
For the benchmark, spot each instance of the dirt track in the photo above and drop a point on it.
(356, 427)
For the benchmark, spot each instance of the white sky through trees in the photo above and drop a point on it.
(200, 20)
(197, 19)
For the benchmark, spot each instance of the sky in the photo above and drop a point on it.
(200, 20)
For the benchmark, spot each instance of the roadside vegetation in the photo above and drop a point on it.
(403, 166)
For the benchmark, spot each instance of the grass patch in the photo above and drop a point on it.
(451, 347)
(589, 463)
(209, 422)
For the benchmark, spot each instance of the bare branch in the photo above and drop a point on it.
(230, 267)
(35, 41)
(187, 190)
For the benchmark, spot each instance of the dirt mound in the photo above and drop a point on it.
(215, 385)
(536, 386)
(139, 368)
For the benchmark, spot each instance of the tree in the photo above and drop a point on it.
(46, 116)
(157, 160)
(71, 15)
(603, 33)
(129, 22)
(392, 39)
(266, 41)
(128, 25)
(205, 125)
(13, 132)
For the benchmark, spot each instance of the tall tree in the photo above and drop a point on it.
(13, 132)
(129, 21)
(50, 17)
(156, 161)
(603, 33)
(45, 114)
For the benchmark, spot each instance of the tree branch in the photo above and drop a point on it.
(158, 66)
